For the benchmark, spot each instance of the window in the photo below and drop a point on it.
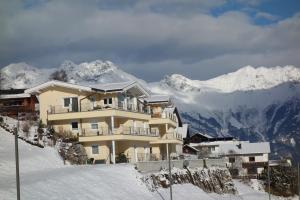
(107, 101)
(94, 125)
(67, 102)
(231, 160)
(252, 159)
(95, 149)
(74, 125)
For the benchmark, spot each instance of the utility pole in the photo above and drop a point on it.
(269, 185)
(170, 173)
(16, 131)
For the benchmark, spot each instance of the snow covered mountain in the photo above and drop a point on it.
(22, 75)
(257, 104)
(261, 104)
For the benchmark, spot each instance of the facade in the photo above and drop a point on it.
(15, 101)
(112, 120)
(242, 157)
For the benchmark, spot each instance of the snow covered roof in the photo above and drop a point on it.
(183, 130)
(245, 148)
(202, 134)
(107, 87)
(14, 96)
(38, 88)
(191, 147)
(158, 98)
(122, 86)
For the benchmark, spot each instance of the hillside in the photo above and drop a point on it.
(43, 176)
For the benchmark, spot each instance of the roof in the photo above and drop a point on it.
(158, 98)
(52, 83)
(202, 134)
(122, 86)
(186, 145)
(107, 87)
(15, 96)
(183, 130)
(245, 148)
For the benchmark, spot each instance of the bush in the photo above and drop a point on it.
(40, 130)
(122, 158)
(1, 120)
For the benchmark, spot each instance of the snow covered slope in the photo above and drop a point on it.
(43, 176)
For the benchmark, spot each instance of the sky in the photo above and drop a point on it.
(200, 39)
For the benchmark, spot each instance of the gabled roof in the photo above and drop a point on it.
(122, 86)
(37, 89)
(155, 98)
(107, 87)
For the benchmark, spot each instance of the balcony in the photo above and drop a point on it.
(88, 110)
(173, 137)
(163, 118)
(122, 133)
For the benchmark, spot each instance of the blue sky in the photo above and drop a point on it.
(197, 38)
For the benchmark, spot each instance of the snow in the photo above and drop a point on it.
(43, 176)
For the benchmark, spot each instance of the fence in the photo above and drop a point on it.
(155, 166)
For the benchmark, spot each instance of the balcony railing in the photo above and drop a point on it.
(172, 136)
(56, 109)
(123, 130)
(165, 115)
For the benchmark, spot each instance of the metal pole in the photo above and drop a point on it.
(299, 181)
(269, 185)
(17, 160)
(170, 173)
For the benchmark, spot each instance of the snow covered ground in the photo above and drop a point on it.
(43, 176)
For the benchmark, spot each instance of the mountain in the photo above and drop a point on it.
(256, 104)
(22, 75)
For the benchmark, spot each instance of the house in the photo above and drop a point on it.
(243, 158)
(203, 137)
(113, 119)
(14, 101)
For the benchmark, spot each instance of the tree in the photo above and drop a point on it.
(59, 75)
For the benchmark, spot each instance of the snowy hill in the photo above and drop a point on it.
(43, 176)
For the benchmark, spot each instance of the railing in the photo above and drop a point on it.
(123, 130)
(56, 109)
(96, 132)
(165, 115)
(172, 136)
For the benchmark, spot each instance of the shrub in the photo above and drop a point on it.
(1, 120)
(25, 128)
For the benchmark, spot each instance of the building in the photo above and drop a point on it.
(243, 158)
(15, 101)
(113, 119)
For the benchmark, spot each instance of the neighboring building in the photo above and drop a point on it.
(202, 137)
(15, 101)
(243, 158)
(112, 119)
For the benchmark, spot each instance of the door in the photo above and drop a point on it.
(74, 104)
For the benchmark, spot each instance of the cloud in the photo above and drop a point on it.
(141, 38)
(268, 16)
